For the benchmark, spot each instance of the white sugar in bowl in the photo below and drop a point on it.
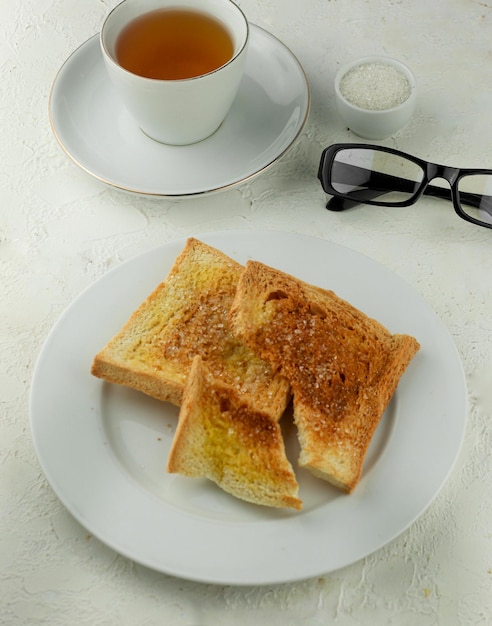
(375, 96)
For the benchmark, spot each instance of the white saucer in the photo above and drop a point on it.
(96, 131)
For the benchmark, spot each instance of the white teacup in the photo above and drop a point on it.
(177, 111)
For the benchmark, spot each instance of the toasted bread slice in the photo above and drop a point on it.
(343, 366)
(220, 437)
(186, 315)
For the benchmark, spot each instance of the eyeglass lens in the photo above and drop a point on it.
(392, 178)
(475, 196)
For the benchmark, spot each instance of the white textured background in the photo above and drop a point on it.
(60, 230)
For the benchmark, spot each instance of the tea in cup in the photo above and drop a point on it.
(176, 64)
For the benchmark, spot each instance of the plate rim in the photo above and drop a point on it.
(106, 179)
(312, 517)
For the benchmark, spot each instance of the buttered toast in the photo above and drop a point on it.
(187, 315)
(220, 437)
(343, 366)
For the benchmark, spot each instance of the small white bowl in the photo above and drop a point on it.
(379, 104)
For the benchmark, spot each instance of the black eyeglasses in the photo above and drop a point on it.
(364, 174)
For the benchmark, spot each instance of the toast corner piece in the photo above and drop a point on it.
(109, 369)
(336, 466)
(128, 358)
(341, 459)
(223, 439)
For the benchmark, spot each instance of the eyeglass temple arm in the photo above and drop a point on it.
(389, 184)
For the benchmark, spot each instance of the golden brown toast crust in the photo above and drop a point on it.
(186, 315)
(342, 365)
(221, 438)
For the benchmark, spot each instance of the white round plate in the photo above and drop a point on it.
(104, 448)
(97, 132)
